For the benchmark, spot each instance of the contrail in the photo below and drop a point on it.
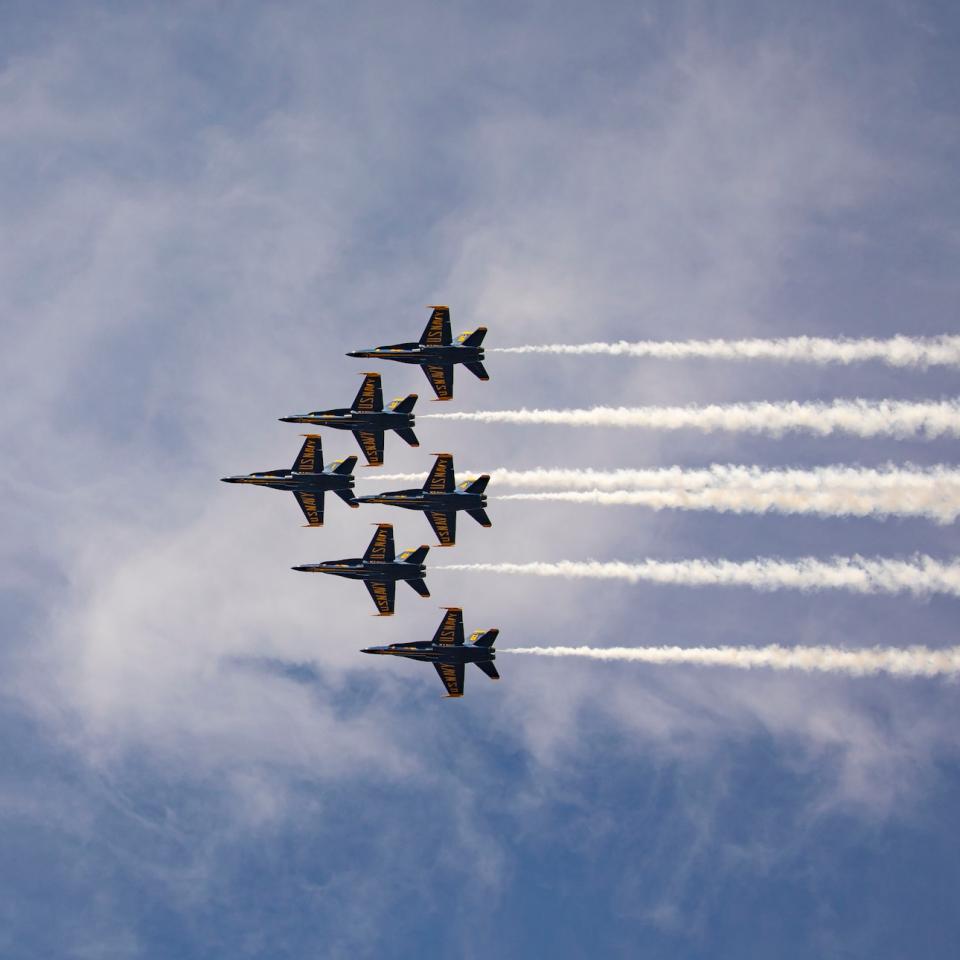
(932, 492)
(900, 662)
(920, 576)
(861, 418)
(900, 351)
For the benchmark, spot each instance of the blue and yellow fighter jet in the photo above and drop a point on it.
(367, 419)
(448, 653)
(440, 499)
(378, 569)
(309, 480)
(437, 352)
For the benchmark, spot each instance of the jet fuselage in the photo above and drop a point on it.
(343, 418)
(290, 480)
(356, 568)
(419, 499)
(437, 653)
(441, 355)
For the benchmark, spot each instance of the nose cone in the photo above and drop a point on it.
(293, 418)
(231, 480)
(372, 499)
(305, 567)
(362, 354)
(374, 650)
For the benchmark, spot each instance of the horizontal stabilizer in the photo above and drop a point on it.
(415, 556)
(477, 369)
(481, 517)
(420, 586)
(472, 338)
(478, 485)
(347, 497)
(485, 638)
(408, 436)
(404, 404)
(343, 467)
(490, 670)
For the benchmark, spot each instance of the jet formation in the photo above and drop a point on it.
(439, 498)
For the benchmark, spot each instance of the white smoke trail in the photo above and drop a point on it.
(897, 351)
(933, 492)
(939, 506)
(901, 662)
(862, 418)
(920, 576)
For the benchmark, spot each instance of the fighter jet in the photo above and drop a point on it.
(308, 483)
(448, 653)
(437, 353)
(367, 419)
(378, 569)
(440, 499)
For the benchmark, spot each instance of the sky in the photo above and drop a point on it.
(204, 206)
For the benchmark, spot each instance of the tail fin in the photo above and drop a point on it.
(404, 404)
(343, 467)
(490, 670)
(408, 435)
(472, 338)
(476, 486)
(347, 497)
(485, 638)
(415, 556)
(420, 587)
(478, 370)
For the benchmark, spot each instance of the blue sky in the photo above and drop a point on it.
(204, 205)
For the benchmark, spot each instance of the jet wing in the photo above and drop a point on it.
(383, 593)
(452, 676)
(371, 443)
(312, 506)
(381, 546)
(450, 631)
(437, 331)
(310, 457)
(444, 526)
(441, 379)
(441, 479)
(370, 396)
